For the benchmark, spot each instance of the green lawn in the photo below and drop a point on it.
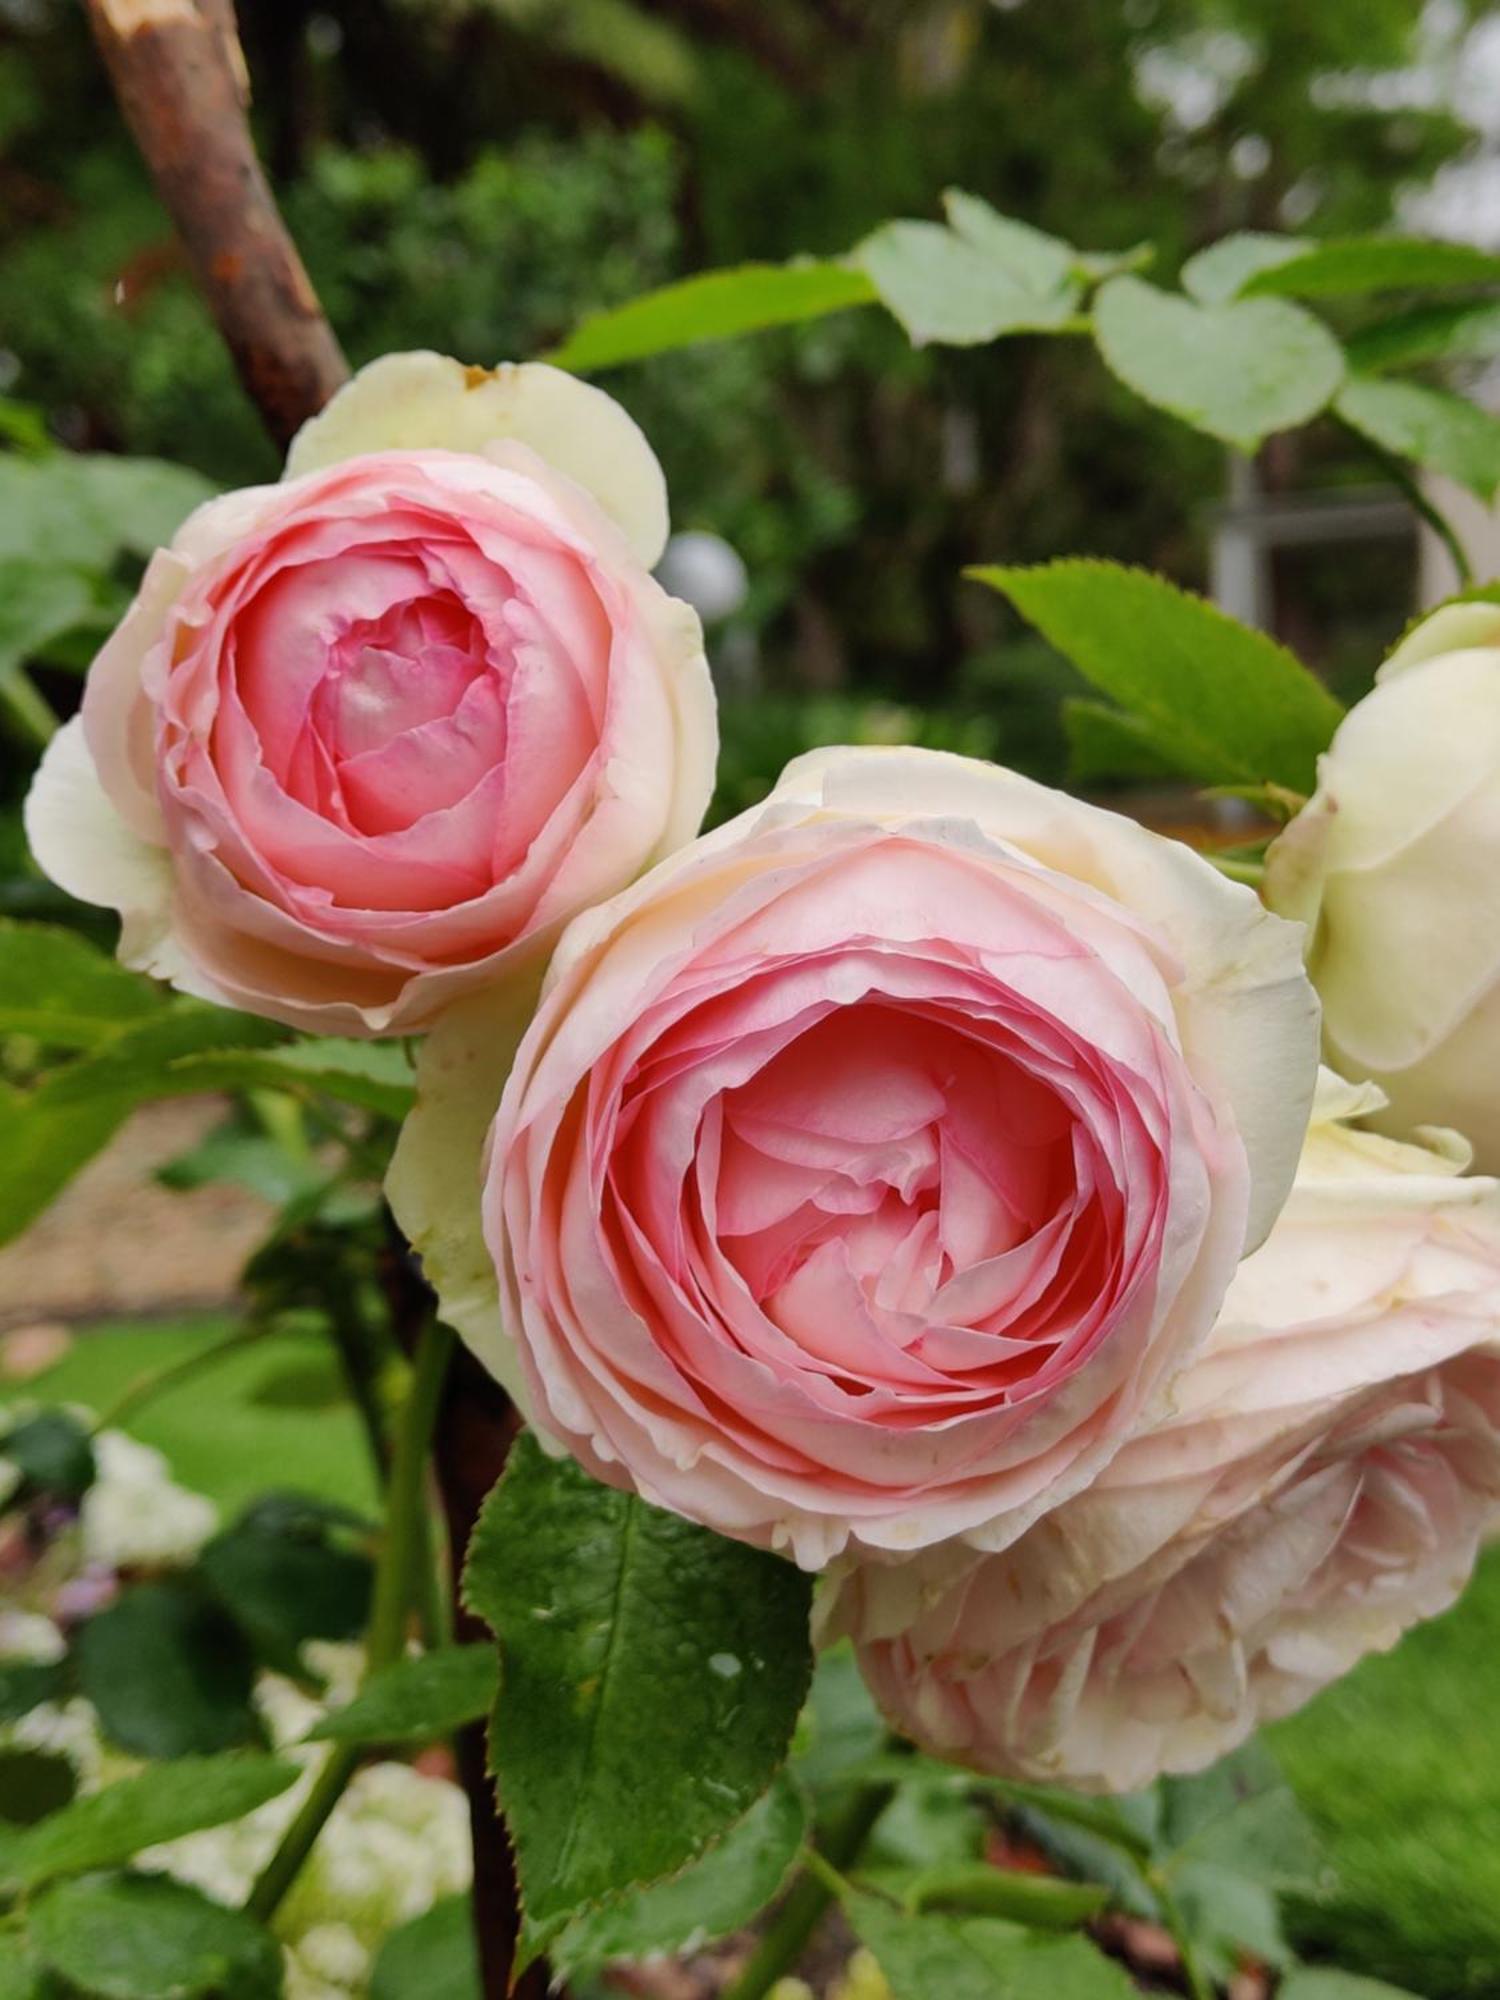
(270, 1416)
(1399, 1764)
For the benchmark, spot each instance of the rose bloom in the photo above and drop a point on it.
(871, 1164)
(1322, 1481)
(1394, 865)
(368, 738)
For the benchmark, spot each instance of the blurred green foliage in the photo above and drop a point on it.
(477, 174)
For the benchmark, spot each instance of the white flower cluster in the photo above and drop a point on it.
(396, 1843)
(135, 1514)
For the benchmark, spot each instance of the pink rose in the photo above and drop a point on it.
(369, 738)
(872, 1163)
(1323, 1481)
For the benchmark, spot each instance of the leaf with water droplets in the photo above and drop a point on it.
(650, 1677)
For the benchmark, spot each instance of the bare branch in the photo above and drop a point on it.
(180, 77)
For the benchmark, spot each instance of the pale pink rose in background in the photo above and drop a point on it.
(1322, 1482)
(368, 738)
(871, 1164)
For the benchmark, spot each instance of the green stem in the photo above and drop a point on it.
(839, 1844)
(1401, 475)
(28, 707)
(1199, 1985)
(406, 1503)
(146, 1388)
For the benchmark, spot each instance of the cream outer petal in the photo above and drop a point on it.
(436, 1174)
(427, 401)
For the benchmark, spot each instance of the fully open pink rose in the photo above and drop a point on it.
(369, 737)
(870, 1165)
(1323, 1481)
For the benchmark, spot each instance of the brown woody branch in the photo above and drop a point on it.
(180, 78)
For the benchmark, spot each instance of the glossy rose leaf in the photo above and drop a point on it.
(651, 1675)
(980, 1958)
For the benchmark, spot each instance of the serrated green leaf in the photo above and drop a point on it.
(1239, 371)
(717, 1894)
(1222, 271)
(1240, 1814)
(434, 1957)
(417, 1699)
(1467, 330)
(980, 1958)
(1375, 264)
(1227, 702)
(1434, 429)
(948, 288)
(159, 1804)
(63, 991)
(651, 1674)
(146, 1937)
(715, 305)
(1229, 1916)
(169, 1673)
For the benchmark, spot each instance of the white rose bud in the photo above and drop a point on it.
(1394, 865)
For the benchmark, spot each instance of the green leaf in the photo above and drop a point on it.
(980, 1958)
(840, 1730)
(38, 601)
(715, 305)
(1238, 371)
(1106, 746)
(719, 1893)
(417, 1699)
(375, 1076)
(159, 1804)
(949, 288)
(1376, 264)
(49, 1131)
(650, 1678)
(1042, 264)
(1221, 272)
(169, 1673)
(1228, 1915)
(434, 1957)
(1435, 429)
(33, 1783)
(1467, 330)
(26, 1684)
(53, 1453)
(63, 991)
(78, 510)
(1228, 703)
(146, 1937)
(285, 1574)
(1240, 1814)
(1317, 1982)
(20, 1976)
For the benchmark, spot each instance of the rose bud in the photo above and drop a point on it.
(1394, 865)
(1324, 1479)
(368, 738)
(874, 1162)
